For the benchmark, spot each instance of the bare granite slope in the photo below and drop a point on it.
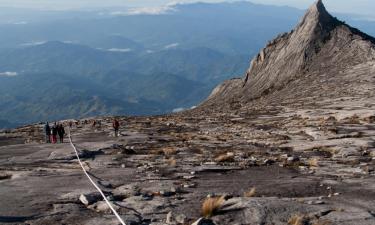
(319, 45)
(293, 142)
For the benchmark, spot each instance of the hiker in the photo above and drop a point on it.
(70, 124)
(61, 132)
(54, 133)
(47, 132)
(116, 126)
(94, 124)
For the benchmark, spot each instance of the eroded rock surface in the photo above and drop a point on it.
(300, 149)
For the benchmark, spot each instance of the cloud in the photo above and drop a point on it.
(160, 10)
(143, 10)
(174, 45)
(34, 43)
(178, 110)
(19, 23)
(8, 74)
(119, 49)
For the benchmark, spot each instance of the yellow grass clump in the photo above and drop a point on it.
(298, 220)
(169, 151)
(227, 157)
(172, 162)
(211, 205)
(313, 162)
(250, 193)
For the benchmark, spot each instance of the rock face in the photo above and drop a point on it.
(302, 151)
(319, 45)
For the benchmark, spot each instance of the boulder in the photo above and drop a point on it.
(90, 198)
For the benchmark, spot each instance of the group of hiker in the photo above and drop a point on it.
(54, 131)
(57, 130)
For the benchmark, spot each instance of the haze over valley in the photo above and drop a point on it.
(73, 64)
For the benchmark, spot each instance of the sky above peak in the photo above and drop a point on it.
(363, 7)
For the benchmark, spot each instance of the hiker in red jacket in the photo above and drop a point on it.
(116, 126)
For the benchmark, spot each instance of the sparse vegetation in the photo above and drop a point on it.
(172, 162)
(250, 193)
(313, 162)
(227, 157)
(169, 151)
(211, 205)
(298, 220)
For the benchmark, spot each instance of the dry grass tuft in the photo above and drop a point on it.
(169, 151)
(227, 157)
(211, 205)
(313, 162)
(298, 220)
(172, 162)
(250, 193)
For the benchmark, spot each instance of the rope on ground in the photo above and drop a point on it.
(93, 183)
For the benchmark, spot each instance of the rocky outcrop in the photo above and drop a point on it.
(320, 44)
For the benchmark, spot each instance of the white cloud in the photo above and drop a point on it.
(8, 74)
(120, 50)
(178, 110)
(19, 23)
(69, 42)
(152, 10)
(34, 43)
(174, 45)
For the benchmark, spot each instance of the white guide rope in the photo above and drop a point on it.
(95, 185)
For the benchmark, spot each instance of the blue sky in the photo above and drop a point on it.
(364, 7)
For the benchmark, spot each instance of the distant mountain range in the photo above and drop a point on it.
(56, 65)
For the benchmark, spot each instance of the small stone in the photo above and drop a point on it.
(181, 218)
(169, 219)
(190, 185)
(88, 199)
(293, 159)
(319, 202)
(103, 207)
(127, 191)
(188, 177)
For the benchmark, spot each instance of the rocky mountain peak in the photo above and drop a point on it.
(317, 12)
(317, 19)
(320, 45)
